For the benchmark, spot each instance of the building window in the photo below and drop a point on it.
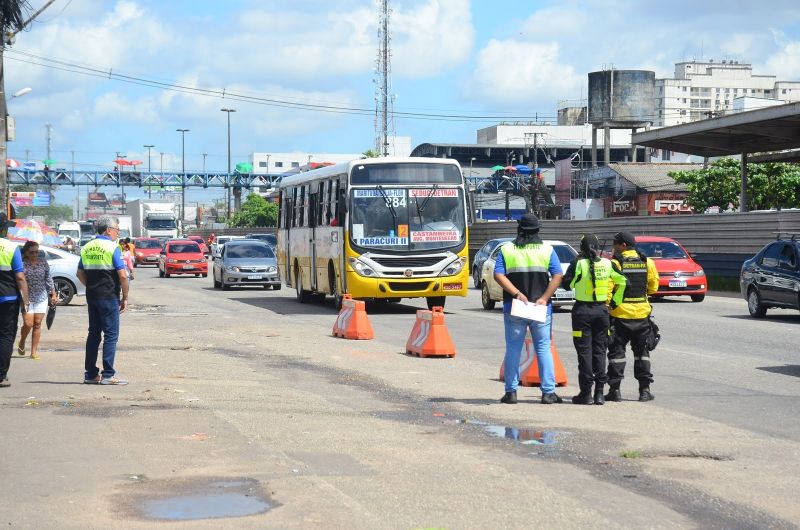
(684, 89)
(295, 164)
(262, 164)
(278, 164)
(784, 90)
(683, 113)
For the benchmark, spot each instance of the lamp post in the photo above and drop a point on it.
(183, 172)
(228, 176)
(4, 196)
(149, 189)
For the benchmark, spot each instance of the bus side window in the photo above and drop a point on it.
(301, 207)
(341, 199)
(328, 205)
(293, 206)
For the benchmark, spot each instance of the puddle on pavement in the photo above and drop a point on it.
(523, 436)
(212, 500)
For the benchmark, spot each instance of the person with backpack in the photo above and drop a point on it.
(590, 276)
(630, 320)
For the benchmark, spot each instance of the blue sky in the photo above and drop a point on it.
(475, 58)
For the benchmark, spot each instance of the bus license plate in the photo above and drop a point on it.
(254, 277)
(452, 286)
(677, 283)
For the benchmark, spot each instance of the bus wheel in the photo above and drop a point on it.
(434, 301)
(335, 291)
(302, 296)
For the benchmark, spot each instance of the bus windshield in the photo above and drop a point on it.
(406, 173)
(404, 219)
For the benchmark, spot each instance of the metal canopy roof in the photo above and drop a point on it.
(763, 130)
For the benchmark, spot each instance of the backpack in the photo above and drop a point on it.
(653, 335)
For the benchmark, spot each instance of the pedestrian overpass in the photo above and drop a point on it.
(141, 179)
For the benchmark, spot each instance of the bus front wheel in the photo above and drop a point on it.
(302, 296)
(434, 301)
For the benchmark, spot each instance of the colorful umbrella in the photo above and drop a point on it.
(10, 162)
(30, 230)
(135, 163)
(512, 169)
(498, 168)
(522, 168)
(122, 162)
(49, 162)
(244, 167)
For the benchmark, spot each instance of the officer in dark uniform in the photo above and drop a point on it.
(629, 320)
(589, 276)
(13, 296)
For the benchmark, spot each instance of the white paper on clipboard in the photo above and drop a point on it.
(529, 311)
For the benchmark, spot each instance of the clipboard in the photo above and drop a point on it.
(529, 311)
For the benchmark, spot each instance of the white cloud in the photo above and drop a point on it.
(522, 72)
(785, 64)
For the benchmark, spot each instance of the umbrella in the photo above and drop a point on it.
(510, 168)
(30, 230)
(122, 162)
(498, 168)
(244, 167)
(136, 163)
(49, 162)
(522, 168)
(10, 162)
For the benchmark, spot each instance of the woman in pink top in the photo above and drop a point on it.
(127, 257)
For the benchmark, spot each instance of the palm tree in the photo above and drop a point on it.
(370, 153)
(12, 19)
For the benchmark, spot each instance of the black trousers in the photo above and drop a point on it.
(590, 323)
(9, 320)
(635, 331)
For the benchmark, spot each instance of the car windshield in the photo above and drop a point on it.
(407, 219)
(183, 248)
(565, 253)
(248, 252)
(661, 250)
(160, 224)
(147, 243)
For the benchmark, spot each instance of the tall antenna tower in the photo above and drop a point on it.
(384, 102)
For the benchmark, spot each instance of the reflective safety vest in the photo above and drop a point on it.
(102, 278)
(527, 268)
(641, 277)
(634, 269)
(8, 278)
(585, 290)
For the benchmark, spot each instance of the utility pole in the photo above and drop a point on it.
(121, 180)
(78, 207)
(183, 173)
(149, 187)
(228, 175)
(534, 179)
(204, 162)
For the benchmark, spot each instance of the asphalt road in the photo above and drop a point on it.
(241, 403)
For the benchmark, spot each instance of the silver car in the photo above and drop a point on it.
(246, 262)
(64, 270)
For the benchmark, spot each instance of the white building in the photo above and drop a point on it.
(566, 136)
(704, 89)
(279, 163)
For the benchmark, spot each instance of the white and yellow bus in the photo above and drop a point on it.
(376, 229)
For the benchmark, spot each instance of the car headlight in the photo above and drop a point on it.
(454, 267)
(170, 260)
(272, 269)
(699, 272)
(360, 267)
(231, 268)
(139, 254)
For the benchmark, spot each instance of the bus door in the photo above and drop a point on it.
(313, 221)
(289, 219)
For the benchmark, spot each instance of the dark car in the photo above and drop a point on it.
(269, 239)
(480, 258)
(771, 278)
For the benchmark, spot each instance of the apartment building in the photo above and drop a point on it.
(703, 89)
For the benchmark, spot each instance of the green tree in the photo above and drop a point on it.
(256, 211)
(371, 153)
(772, 185)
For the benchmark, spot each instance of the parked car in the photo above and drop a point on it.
(678, 273)
(491, 291)
(63, 269)
(200, 243)
(246, 262)
(146, 251)
(771, 278)
(480, 257)
(182, 256)
(216, 246)
(269, 239)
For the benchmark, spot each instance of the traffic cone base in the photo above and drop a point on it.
(353, 322)
(529, 367)
(429, 336)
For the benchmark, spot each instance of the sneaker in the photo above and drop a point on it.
(645, 395)
(112, 381)
(4, 383)
(549, 399)
(93, 381)
(509, 398)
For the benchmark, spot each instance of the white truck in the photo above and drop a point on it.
(71, 230)
(125, 224)
(152, 219)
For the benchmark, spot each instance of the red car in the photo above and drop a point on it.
(200, 242)
(182, 256)
(678, 273)
(146, 251)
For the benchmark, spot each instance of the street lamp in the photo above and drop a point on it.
(21, 92)
(228, 177)
(183, 171)
(471, 160)
(149, 189)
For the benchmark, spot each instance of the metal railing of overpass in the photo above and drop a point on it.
(142, 179)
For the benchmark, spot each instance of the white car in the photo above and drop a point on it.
(64, 270)
(491, 291)
(216, 246)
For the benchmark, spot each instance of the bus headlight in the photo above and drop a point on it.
(454, 267)
(360, 267)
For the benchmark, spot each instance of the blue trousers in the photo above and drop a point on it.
(103, 319)
(515, 329)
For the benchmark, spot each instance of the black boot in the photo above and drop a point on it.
(509, 398)
(645, 395)
(584, 398)
(614, 394)
(598, 395)
(549, 399)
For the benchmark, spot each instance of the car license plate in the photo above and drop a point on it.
(677, 283)
(254, 277)
(152, 258)
(188, 266)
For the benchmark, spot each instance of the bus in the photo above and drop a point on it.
(376, 229)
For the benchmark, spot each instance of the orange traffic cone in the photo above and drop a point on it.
(429, 336)
(353, 322)
(529, 368)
